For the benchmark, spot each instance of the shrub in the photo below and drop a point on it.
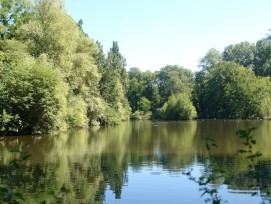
(178, 107)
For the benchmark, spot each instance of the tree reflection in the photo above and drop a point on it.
(81, 166)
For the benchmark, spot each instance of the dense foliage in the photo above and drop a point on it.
(53, 76)
(166, 93)
(232, 91)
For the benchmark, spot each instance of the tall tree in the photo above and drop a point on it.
(114, 82)
(174, 79)
(51, 32)
(262, 60)
(136, 87)
(242, 53)
(211, 58)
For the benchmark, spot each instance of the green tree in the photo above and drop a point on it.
(144, 104)
(197, 93)
(211, 58)
(142, 84)
(113, 84)
(178, 107)
(33, 95)
(262, 60)
(173, 79)
(12, 14)
(242, 53)
(52, 32)
(151, 90)
(231, 91)
(136, 87)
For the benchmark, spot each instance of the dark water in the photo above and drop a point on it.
(144, 162)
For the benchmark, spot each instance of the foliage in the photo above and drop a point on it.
(211, 58)
(230, 91)
(140, 115)
(242, 53)
(77, 112)
(248, 142)
(13, 13)
(174, 80)
(142, 85)
(32, 98)
(53, 76)
(262, 61)
(144, 104)
(178, 107)
(113, 84)
(210, 175)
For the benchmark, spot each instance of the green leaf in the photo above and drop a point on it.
(25, 156)
(3, 190)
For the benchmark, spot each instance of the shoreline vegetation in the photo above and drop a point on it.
(54, 77)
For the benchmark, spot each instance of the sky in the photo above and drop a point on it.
(154, 33)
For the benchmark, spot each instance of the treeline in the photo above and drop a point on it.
(234, 84)
(54, 77)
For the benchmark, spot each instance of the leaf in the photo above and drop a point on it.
(3, 190)
(242, 151)
(18, 195)
(4, 177)
(25, 156)
(64, 189)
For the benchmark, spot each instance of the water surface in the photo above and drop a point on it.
(143, 162)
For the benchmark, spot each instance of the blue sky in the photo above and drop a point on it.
(154, 33)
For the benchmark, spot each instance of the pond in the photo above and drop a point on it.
(144, 162)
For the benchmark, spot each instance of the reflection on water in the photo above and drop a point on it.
(140, 162)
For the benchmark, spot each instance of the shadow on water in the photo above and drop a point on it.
(90, 163)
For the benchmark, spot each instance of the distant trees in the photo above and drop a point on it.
(262, 60)
(238, 86)
(232, 91)
(167, 93)
(256, 57)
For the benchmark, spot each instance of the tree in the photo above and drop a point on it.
(173, 79)
(262, 60)
(144, 104)
(52, 32)
(32, 95)
(197, 93)
(151, 90)
(242, 53)
(178, 107)
(113, 82)
(142, 84)
(211, 58)
(12, 14)
(230, 91)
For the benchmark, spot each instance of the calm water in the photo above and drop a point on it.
(143, 162)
